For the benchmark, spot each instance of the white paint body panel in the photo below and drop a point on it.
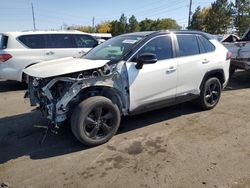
(191, 70)
(62, 66)
(152, 83)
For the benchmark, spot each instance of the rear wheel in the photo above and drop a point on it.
(210, 94)
(95, 120)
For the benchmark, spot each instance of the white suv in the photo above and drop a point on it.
(19, 50)
(126, 75)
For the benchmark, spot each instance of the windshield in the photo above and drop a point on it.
(113, 49)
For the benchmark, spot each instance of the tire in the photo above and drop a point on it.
(210, 94)
(95, 121)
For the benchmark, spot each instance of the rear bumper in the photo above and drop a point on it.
(8, 73)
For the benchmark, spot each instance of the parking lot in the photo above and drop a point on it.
(178, 146)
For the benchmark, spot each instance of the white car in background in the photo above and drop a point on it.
(19, 50)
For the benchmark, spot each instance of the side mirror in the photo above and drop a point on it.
(146, 58)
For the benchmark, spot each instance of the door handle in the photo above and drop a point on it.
(171, 69)
(205, 61)
(50, 53)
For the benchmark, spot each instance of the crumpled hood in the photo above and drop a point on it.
(62, 66)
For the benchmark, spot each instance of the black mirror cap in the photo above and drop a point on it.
(146, 58)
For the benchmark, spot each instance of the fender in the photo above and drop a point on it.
(218, 73)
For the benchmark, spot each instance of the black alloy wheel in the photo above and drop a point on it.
(95, 120)
(210, 93)
(99, 123)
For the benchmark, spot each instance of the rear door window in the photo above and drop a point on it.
(3, 41)
(60, 41)
(188, 45)
(85, 41)
(33, 41)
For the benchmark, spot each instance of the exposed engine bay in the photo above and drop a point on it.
(57, 96)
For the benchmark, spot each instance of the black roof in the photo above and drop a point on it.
(155, 33)
(143, 33)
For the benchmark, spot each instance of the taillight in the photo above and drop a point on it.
(229, 55)
(5, 57)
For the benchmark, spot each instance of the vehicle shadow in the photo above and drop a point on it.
(11, 86)
(240, 80)
(19, 137)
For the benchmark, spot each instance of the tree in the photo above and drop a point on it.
(242, 16)
(198, 19)
(219, 17)
(159, 24)
(116, 28)
(164, 24)
(104, 27)
(133, 24)
(123, 24)
(146, 24)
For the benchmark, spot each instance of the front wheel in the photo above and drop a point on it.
(210, 94)
(95, 120)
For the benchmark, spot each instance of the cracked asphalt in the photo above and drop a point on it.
(179, 146)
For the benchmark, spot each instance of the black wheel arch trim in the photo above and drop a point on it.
(218, 73)
(113, 94)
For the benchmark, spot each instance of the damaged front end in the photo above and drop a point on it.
(57, 96)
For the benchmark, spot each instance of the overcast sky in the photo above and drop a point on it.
(15, 15)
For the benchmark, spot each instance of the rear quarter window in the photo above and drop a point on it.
(33, 41)
(206, 44)
(3, 41)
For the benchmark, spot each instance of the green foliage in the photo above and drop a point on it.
(133, 24)
(117, 28)
(218, 19)
(122, 26)
(164, 24)
(146, 24)
(198, 19)
(241, 16)
(159, 24)
(215, 19)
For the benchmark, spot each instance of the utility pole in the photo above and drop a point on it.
(93, 24)
(33, 16)
(189, 14)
